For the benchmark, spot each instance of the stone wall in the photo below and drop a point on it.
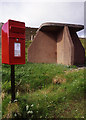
(30, 33)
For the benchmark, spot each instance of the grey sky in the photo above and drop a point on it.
(34, 13)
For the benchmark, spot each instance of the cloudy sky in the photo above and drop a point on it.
(36, 12)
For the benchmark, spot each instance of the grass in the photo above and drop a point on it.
(48, 99)
(44, 91)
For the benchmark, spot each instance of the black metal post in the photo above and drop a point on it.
(12, 83)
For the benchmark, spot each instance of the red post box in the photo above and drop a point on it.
(13, 42)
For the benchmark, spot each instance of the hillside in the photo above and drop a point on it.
(83, 41)
(44, 91)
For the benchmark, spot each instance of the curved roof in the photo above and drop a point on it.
(50, 26)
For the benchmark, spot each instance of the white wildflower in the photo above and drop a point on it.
(32, 105)
(40, 116)
(15, 114)
(82, 117)
(27, 106)
(15, 100)
(30, 112)
(63, 97)
(17, 93)
(10, 102)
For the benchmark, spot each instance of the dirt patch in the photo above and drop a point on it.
(58, 80)
(12, 110)
(3, 94)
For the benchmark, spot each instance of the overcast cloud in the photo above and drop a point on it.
(38, 12)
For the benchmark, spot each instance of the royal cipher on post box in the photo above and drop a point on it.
(13, 42)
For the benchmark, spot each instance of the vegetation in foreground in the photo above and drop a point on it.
(44, 91)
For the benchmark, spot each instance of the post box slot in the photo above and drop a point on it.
(17, 29)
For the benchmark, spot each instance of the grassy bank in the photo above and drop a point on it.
(44, 91)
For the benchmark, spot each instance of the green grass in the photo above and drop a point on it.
(37, 75)
(48, 100)
(38, 96)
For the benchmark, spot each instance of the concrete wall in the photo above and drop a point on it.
(79, 51)
(65, 48)
(43, 49)
(68, 48)
(59, 46)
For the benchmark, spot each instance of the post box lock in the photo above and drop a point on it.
(13, 42)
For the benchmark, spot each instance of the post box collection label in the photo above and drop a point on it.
(17, 49)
